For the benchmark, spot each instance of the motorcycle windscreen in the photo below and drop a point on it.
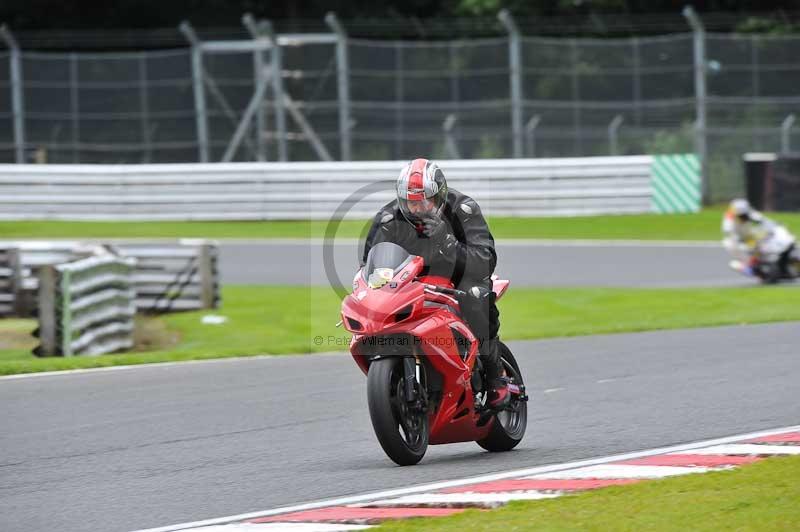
(383, 262)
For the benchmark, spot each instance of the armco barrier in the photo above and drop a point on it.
(34, 255)
(86, 307)
(175, 276)
(169, 276)
(10, 281)
(273, 191)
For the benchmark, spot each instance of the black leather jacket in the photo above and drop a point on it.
(469, 260)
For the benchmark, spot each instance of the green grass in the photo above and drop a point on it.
(279, 320)
(702, 226)
(760, 496)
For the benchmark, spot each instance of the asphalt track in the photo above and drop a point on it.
(151, 446)
(526, 263)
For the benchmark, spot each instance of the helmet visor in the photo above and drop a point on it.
(419, 210)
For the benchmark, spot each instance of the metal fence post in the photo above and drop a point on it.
(754, 77)
(613, 134)
(399, 116)
(75, 106)
(17, 102)
(700, 96)
(786, 133)
(276, 58)
(530, 134)
(515, 77)
(259, 64)
(576, 97)
(637, 81)
(201, 117)
(343, 79)
(144, 106)
(451, 147)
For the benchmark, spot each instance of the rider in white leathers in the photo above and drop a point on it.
(754, 238)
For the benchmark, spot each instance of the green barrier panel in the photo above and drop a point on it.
(676, 183)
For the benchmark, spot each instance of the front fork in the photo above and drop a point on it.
(416, 395)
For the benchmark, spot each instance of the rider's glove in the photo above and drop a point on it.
(437, 230)
(434, 228)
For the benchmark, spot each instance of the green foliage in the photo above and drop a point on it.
(763, 25)
(489, 148)
(371, 151)
(672, 141)
(471, 8)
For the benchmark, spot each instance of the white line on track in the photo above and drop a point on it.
(615, 471)
(751, 449)
(225, 360)
(398, 492)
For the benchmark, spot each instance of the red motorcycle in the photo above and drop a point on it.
(425, 381)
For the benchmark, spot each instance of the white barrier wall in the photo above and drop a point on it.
(285, 191)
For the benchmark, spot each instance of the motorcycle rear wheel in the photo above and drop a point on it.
(401, 429)
(508, 426)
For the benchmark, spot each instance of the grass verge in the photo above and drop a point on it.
(701, 226)
(279, 320)
(760, 496)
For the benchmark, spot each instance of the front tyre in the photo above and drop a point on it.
(401, 427)
(508, 426)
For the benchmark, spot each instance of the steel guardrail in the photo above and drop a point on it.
(86, 307)
(286, 191)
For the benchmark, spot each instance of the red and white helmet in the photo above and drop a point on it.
(421, 190)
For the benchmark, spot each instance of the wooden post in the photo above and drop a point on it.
(48, 323)
(206, 271)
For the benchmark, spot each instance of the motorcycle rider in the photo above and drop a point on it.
(747, 231)
(447, 229)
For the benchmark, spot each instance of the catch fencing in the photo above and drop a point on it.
(355, 99)
(280, 191)
(86, 307)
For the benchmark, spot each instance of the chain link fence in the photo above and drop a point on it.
(444, 99)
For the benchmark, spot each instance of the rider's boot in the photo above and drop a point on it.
(499, 395)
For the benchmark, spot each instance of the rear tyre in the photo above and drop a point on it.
(401, 428)
(508, 426)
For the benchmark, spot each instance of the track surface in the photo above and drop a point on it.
(151, 446)
(526, 263)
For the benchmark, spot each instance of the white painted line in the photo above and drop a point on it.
(750, 448)
(615, 471)
(552, 390)
(466, 499)
(132, 366)
(435, 486)
(225, 360)
(280, 527)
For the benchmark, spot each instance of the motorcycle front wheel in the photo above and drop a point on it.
(400, 426)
